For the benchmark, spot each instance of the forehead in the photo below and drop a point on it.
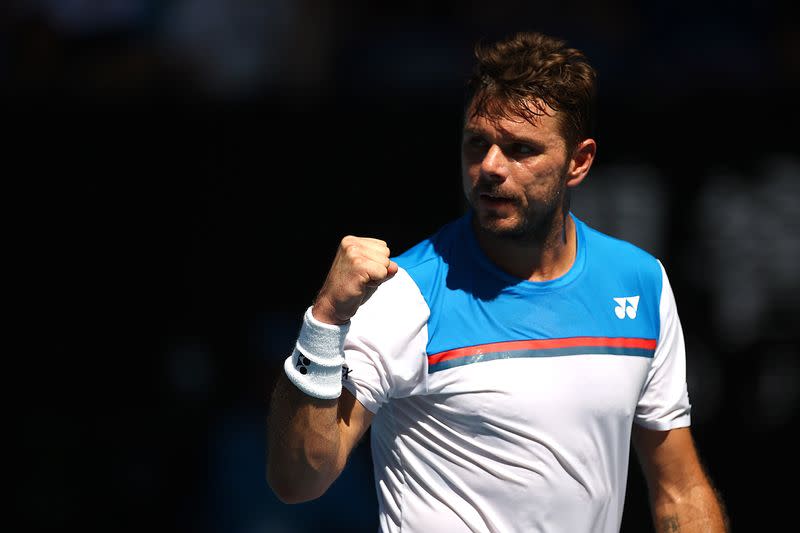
(501, 120)
(543, 126)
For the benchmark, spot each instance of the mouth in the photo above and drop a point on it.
(494, 201)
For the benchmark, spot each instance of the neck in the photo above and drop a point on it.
(541, 257)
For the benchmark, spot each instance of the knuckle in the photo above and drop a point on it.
(350, 245)
(353, 252)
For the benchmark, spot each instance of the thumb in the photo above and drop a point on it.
(392, 269)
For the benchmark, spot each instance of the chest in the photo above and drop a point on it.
(555, 392)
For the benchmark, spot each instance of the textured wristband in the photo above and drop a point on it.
(315, 366)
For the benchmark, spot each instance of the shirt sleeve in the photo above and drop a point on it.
(385, 347)
(664, 401)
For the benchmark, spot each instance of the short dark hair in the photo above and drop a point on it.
(518, 76)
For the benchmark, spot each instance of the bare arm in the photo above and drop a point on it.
(682, 498)
(311, 438)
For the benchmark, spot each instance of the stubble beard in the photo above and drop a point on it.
(535, 224)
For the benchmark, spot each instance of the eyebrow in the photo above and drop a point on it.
(513, 138)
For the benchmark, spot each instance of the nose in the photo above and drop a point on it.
(494, 163)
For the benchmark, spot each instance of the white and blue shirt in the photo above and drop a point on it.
(504, 405)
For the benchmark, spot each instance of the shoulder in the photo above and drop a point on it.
(623, 265)
(428, 261)
(622, 255)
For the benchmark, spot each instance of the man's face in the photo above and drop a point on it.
(514, 173)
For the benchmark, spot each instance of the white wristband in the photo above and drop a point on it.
(315, 366)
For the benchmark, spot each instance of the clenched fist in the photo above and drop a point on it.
(360, 266)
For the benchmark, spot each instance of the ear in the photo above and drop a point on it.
(581, 161)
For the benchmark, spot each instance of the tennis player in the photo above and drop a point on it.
(506, 362)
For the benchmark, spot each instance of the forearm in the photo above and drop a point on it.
(303, 444)
(696, 510)
(312, 429)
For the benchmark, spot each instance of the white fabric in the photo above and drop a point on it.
(664, 403)
(523, 445)
(315, 366)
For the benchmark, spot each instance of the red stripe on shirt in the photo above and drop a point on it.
(542, 344)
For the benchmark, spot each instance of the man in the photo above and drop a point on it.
(505, 363)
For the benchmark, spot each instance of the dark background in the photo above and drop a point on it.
(179, 174)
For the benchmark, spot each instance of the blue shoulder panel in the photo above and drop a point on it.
(608, 302)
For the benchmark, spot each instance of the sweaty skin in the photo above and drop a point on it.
(515, 175)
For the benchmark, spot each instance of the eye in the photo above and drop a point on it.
(477, 142)
(522, 149)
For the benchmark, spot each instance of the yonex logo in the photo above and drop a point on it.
(302, 363)
(626, 306)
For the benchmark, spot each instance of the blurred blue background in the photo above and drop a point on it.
(181, 171)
